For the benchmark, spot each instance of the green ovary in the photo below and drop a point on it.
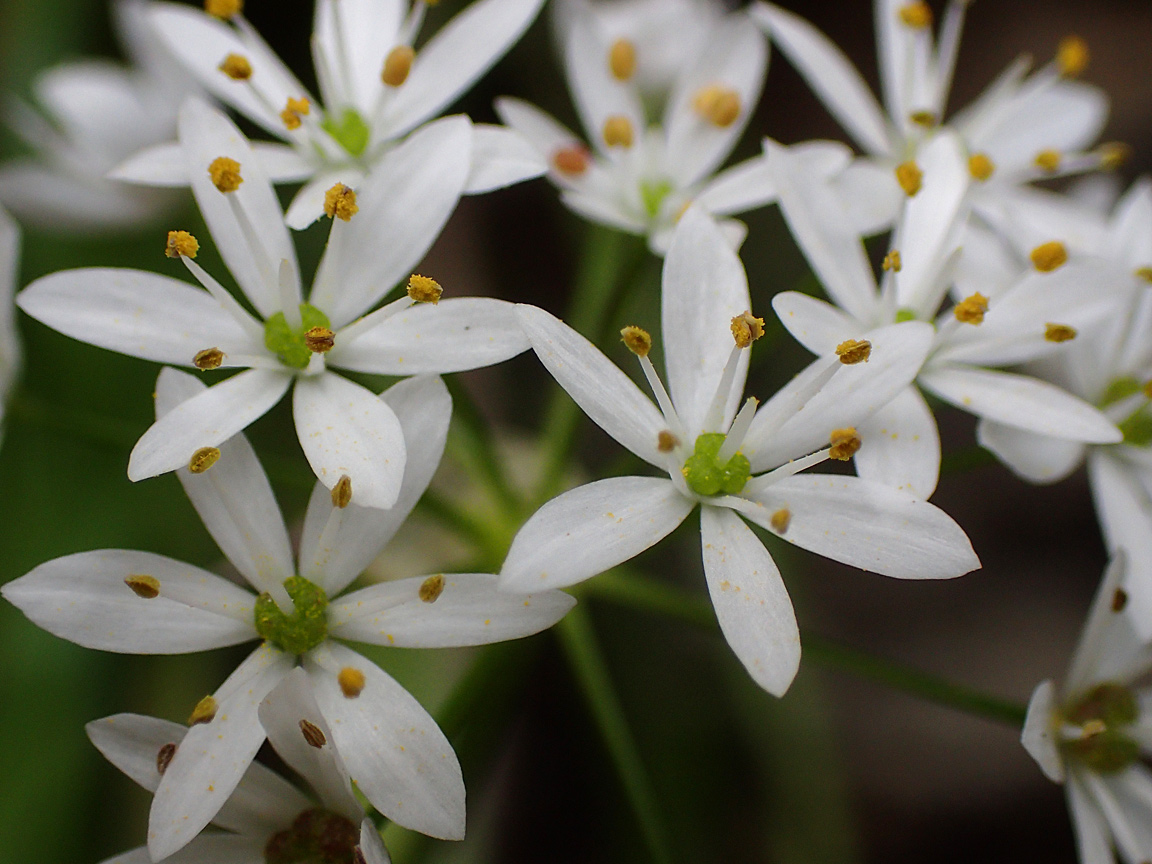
(707, 476)
(349, 130)
(1104, 712)
(1119, 388)
(305, 628)
(653, 192)
(905, 314)
(316, 837)
(288, 344)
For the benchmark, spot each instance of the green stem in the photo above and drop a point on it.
(579, 642)
(76, 422)
(475, 448)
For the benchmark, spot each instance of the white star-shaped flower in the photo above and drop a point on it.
(9, 338)
(731, 462)
(137, 602)
(375, 89)
(344, 429)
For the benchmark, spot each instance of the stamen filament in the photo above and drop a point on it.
(662, 398)
(289, 298)
(779, 411)
(948, 47)
(263, 262)
(226, 300)
(357, 327)
(788, 469)
(715, 416)
(738, 430)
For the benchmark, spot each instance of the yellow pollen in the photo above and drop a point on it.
(971, 310)
(1092, 728)
(209, 358)
(1049, 256)
(319, 340)
(917, 15)
(980, 166)
(431, 588)
(571, 160)
(1144, 273)
(923, 118)
(746, 329)
(164, 757)
(299, 106)
(290, 119)
(1059, 332)
(340, 202)
(910, 177)
(892, 261)
(1114, 154)
(618, 131)
(666, 442)
(622, 59)
(313, 734)
(181, 243)
(224, 8)
(1048, 160)
(203, 459)
(780, 520)
(1119, 600)
(204, 712)
(717, 104)
(342, 492)
(351, 682)
(293, 111)
(225, 174)
(236, 67)
(424, 290)
(1072, 56)
(845, 442)
(637, 339)
(143, 585)
(852, 351)
(397, 65)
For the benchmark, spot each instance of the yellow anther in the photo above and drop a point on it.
(181, 244)
(746, 329)
(780, 520)
(1072, 56)
(351, 681)
(925, 119)
(290, 119)
(164, 757)
(340, 202)
(1048, 160)
(917, 15)
(293, 111)
(236, 67)
(1049, 256)
(1144, 273)
(143, 585)
(910, 177)
(1119, 600)
(854, 351)
(892, 261)
(209, 358)
(224, 8)
(980, 166)
(683, 209)
(203, 459)
(666, 442)
(397, 65)
(424, 290)
(845, 443)
(225, 174)
(313, 734)
(637, 339)
(618, 131)
(572, 161)
(717, 104)
(1059, 333)
(1092, 728)
(431, 588)
(622, 59)
(1114, 154)
(971, 310)
(319, 340)
(342, 492)
(204, 712)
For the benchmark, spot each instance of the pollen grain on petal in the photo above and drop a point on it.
(181, 244)
(916, 15)
(1144, 273)
(203, 459)
(638, 340)
(340, 202)
(1048, 160)
(431, 588)
(572, 160)
(981, 167)
(1119, 600)
(351, 681)
(746, 329)
(164, 757)
(666, 442)
(225, 174)
(313, 734)
(892, 261)
(622, 59)
(423, 289)
(236, 67)
(971, 310)
(397, 65)
(844, 443)
(209, 358)
(1059, 332)
(342, 492)
(1072, 56)
(204, 712)
(717, 104)
(910, 177)
(780, 520)
(143, 585)
(224, 8)
(1049, 256)
(618, 131)
(853, 351)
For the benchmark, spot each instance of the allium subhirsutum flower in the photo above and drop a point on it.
(731, 459)
(9, 338)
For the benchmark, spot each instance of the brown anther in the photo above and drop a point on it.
(780, 520)
(1144, 273)
(224, 8)
(313, 734)
(971, 310)
(1114, 154)
(637, 339)
(319, 340)
(844, 443)
(892, 261)
(1049, 256)
(236, 67)
(618, 131)
(980, 166)
(1072, 56)
(666, 442)
(910, 177)
(424, 290)
(925, 119)
(181, 244)
(164, 757)
(203, 459)
(746, 329)
(225, 174)
(209, 358)
(1048, 160)
(916, 15)
(340, 202)
(572, 161)
(622, 59)
(854, 351)
(204, 712)
(1119, 600)
(143, 585)
(397, 65)
(717, 104)
(431, 588)
(342, 492)
(351, 681)
(1059, 333)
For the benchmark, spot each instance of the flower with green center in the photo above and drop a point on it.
(305, 628)
(349, 130)
(287, 342)
(706, 475)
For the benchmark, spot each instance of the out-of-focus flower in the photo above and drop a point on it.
(9, 338)
(344, 429)
(375, 89)
(731, 462)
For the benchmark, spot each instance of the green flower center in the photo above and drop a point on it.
(653, 193)
(1119, 388)
(905, 314)
(305, 628)
(316, 837)
(1102, 713)
(707, 475)
(349, 130)
(288, 344)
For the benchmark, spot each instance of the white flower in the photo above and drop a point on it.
(1091, 734)
(9, 338)
(1035, 315)
(344, 429)
(98, 114)
(266, 818)
(375, 90)
(731, 462)
(136, 602)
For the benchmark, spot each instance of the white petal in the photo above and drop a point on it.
(356, 35)
(207, 420)
(84, 598)
(1093, 839)
(1036, 458)
(308, 204)
(1130, 229)
(501, 157)
(1038, 736)
(396, 753)
(610, 212)
(282, 163)
(537, 127)
(901, 447)
(372, 844)
(158, 165)
(869, 195)
(132, 743)
(590, 529)
(816, 324)
(751, 602)
(1066, 116)
(208, 848)
(347, 430)
(738, 189)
